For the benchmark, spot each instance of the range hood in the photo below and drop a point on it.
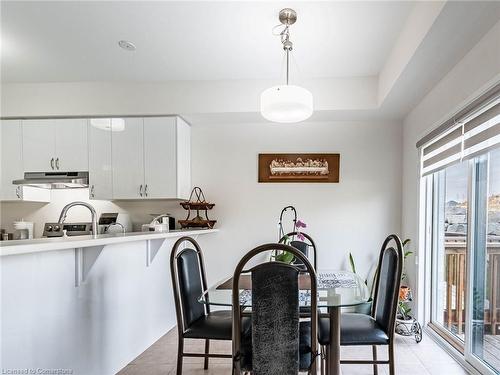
(55, 180)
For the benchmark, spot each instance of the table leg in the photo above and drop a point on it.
(334, 348)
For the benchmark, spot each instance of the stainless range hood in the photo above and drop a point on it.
(55, 180)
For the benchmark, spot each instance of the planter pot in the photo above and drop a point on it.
(408, 327)
(404, 293)
(364, 308)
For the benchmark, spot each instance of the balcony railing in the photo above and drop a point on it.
(455, 279)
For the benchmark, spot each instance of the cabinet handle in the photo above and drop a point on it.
(140, 190)
(57, 163)
(18, 192)
(52, 163)
(146, 190)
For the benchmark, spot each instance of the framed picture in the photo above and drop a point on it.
(299, 167)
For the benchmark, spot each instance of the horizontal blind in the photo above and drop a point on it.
(465, 137)
(482, 133)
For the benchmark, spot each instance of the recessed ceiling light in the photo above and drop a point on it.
(126, 45)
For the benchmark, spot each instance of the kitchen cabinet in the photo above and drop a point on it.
(12, 166)
(128, 160)
(160, 173)
(100, 165)
(38, 145)
(71, 145)
(55, 145)
(151, 159)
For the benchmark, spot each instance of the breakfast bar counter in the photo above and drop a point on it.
(86, 305)
(18, 247)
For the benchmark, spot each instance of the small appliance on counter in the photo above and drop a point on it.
(113, 222)
(160, 223)
(72, 229)
(23, 230)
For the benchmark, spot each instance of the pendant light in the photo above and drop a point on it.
(286, 103)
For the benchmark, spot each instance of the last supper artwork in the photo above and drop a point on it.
(299, 168)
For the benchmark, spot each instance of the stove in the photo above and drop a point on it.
(72, 229)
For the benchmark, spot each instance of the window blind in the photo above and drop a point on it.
(465, 136)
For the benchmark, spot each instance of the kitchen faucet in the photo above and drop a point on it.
(64, 212)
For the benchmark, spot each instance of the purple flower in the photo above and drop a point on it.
(300, 236)
(300, 224)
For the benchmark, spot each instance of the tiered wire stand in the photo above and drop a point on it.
(410, 327)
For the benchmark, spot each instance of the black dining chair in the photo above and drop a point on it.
(306, 247)
(278, 341)
(378, 327)
(194, 319)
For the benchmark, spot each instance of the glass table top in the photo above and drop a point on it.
(335, 289)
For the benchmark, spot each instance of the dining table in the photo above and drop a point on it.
(335, 289)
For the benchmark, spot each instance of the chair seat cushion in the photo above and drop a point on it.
(304, 347)
(355, 329)
(217, 325)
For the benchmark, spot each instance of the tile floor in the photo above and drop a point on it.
(426, 358)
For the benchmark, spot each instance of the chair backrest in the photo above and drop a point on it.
(275, 312)
(188, 281)
(275, 318)
(303, 246)
(390, 267)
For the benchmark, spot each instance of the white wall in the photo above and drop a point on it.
(477, 71)
(354, 215)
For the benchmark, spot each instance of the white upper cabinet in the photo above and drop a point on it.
(128, 160)
(100, 164)
(71, 145)
(39, 145)
(183, 159)
(12, 166)
(55, 145)
(151, 159)
(160, 172)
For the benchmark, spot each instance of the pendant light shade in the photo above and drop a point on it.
(286, 104)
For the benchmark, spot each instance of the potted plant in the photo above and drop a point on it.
(403, 315)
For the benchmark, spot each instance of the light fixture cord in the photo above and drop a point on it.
(287, 46)
(287, 65)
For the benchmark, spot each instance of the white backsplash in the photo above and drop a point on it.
(39, 213)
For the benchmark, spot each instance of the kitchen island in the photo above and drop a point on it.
(85, 304)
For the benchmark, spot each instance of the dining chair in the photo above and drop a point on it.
(378, 327)
(303, 246)
(278, 341)
(194, 319)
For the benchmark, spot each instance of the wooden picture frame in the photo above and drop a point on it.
(315, 168)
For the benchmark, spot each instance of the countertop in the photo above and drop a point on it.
(17, 247)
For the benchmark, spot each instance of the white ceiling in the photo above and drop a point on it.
(77, 41)
(209, 61)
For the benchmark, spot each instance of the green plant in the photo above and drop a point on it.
(404, 309)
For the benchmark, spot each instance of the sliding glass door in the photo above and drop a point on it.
(465, 292)
(449, 250)
(461, 169)
(483, 347)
